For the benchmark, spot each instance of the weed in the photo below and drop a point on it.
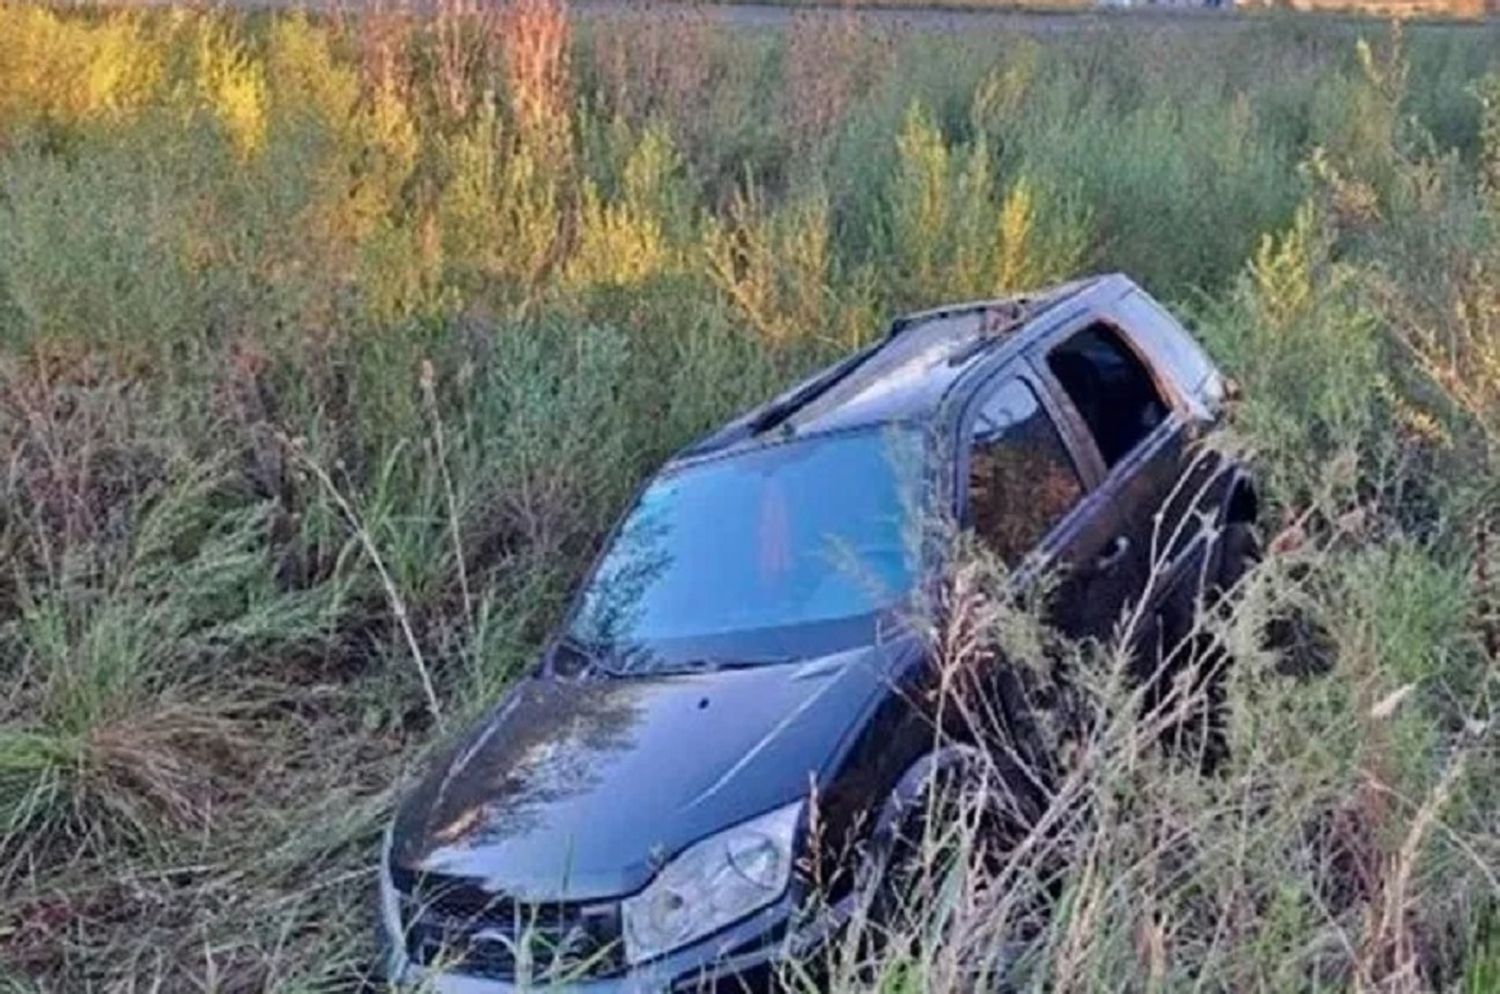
(331, 346)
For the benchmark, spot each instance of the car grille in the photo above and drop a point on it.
(454, 926)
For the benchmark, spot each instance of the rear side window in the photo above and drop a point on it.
(1111, 389)
(1021, 477)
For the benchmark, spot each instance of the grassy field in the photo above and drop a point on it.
(1449, 9)
(992, 5)
(328, 349)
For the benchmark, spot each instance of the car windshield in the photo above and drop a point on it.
(787, 551)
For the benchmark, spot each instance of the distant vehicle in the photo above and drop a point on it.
(632, 815)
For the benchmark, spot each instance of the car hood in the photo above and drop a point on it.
(577, 789)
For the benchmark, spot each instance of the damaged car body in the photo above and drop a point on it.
(634, 815)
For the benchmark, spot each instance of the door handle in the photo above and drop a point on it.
(1113, 555)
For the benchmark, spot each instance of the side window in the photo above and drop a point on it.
(1021, 477)
(1111, 389)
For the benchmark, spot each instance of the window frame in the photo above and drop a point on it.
(1172, 348)
(1037, 356)
(1084, 460)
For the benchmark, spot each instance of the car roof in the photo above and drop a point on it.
(911, 372)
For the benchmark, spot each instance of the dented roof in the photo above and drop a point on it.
(907, 375)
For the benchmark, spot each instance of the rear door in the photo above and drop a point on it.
(1027, 488)
(1109, 392)
(1195, 389)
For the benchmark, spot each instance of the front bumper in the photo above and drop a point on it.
(743, 957)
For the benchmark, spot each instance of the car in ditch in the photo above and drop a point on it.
(634, 814)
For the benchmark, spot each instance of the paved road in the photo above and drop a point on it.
(933, 19)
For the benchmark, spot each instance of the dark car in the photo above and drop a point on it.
(632, 816)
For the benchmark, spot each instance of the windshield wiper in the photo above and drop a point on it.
(639, 661)
(714, 664)
(579, 655)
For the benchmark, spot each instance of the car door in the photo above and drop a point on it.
(1111, 394)
(1196, 392)
(1027, 482)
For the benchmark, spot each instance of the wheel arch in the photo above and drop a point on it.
(1242, 500)
(884, 833)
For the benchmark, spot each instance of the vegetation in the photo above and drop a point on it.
(988, 5)
(1372, 8)
(329, 348)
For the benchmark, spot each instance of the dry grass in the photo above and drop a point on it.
(489, 268)
(1135, 870)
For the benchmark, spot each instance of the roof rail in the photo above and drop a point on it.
(783, 407)
(1009, 312)
(1002, 314)
(999, 317)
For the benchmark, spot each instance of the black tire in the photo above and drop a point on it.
(1201, 736)
(943, 832)
(1239, 552)
(922, 846)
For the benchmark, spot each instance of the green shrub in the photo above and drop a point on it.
(329, 349)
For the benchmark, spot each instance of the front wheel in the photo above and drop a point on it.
(1239, 552)
(1191, 685)
(958, 888)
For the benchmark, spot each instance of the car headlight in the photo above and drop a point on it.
(711, 884)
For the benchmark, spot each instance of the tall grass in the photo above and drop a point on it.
(329, 348)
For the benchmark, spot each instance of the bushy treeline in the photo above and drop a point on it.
(329, 348)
